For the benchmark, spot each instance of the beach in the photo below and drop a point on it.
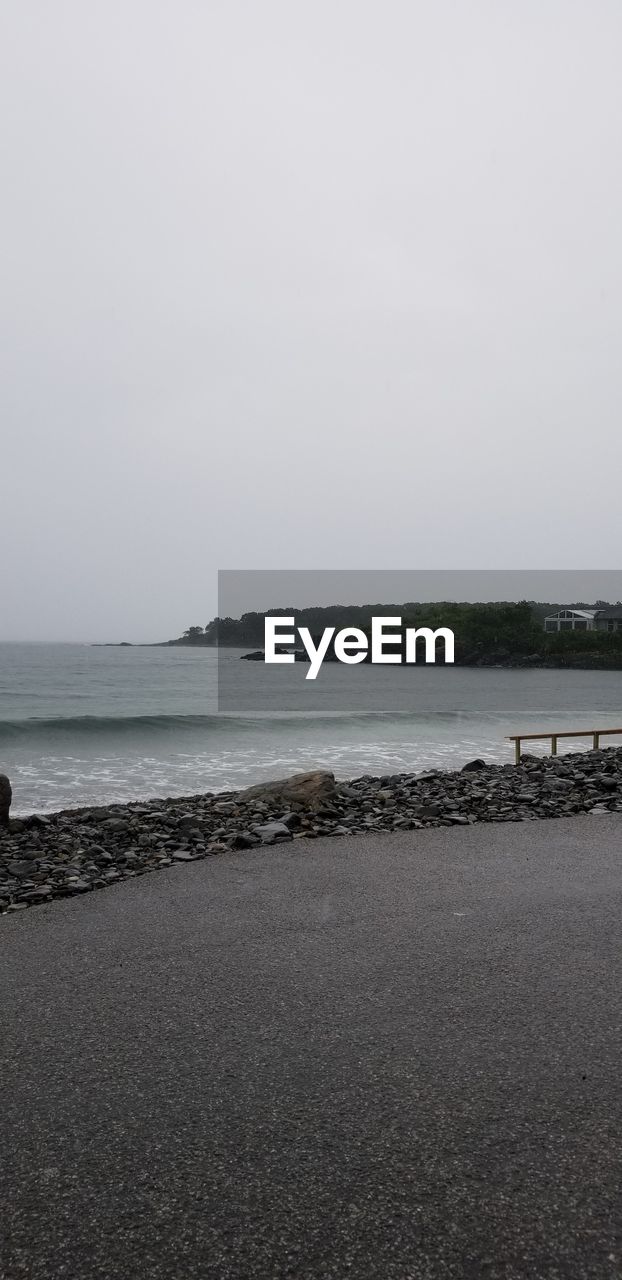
(65, 854)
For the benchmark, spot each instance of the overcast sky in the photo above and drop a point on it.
(302, 285)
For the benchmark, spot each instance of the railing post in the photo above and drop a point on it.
(595, 741)
(517, 751)
(553, 744)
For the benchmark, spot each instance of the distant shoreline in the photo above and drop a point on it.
(493, 662)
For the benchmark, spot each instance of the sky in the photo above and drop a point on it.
(246, 590)
(302, 286)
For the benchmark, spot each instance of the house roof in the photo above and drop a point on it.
(613, 611)
(577, 613)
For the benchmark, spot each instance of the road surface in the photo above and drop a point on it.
(391, 1058)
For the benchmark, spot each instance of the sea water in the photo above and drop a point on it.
(83, 725)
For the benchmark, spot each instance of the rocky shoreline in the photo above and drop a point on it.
(75, 851)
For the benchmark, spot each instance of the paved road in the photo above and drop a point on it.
(395, 1058)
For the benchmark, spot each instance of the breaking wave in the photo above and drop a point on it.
(35, 728)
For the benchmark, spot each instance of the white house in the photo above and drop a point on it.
(571, 620)
(609, 618)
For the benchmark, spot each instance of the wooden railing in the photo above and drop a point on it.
(594, 734)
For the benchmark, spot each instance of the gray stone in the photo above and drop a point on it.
(301, 790)
(431, 811)
(98, 854)
(119, 825)
(21, 869)
(243, 840)
(292, 820)
(270, 831)
(606, 782)
(188, 822)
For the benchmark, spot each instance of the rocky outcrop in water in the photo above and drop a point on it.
(69, 853)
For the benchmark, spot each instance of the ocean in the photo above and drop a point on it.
(82, 725)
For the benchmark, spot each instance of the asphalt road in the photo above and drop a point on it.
(395, 1058)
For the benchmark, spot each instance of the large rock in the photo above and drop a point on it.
(6, 795)
(301, 790)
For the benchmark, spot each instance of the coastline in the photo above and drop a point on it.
(490, 661)
(75, 851)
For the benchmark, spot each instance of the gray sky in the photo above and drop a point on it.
(285, 285)
(240, 591)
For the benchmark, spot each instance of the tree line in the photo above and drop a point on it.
(502, 629)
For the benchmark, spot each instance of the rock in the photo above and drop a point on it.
(243, 840)
(474, 766)
(431, 811)
(6, 795)
(188, 822)
(96, 852)
(117, 825)
(21, 869)
(270, 831)
(292, 820)
(182, 855)
(301, 790)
